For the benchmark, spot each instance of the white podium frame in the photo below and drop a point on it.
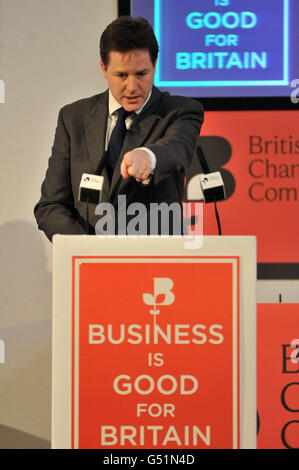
(67, 247)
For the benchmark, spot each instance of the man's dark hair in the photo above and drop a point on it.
(126, 34)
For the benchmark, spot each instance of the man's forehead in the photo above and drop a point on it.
(136, 57)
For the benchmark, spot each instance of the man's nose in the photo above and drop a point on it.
(131, 83)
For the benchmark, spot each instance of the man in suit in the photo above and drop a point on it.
(157, 148)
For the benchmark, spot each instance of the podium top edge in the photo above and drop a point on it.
(77, 245)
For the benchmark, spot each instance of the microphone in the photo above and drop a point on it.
(212, 184)
(90, 191)
(90, 188)
(134, 128)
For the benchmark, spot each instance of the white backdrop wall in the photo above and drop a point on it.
(48, 58)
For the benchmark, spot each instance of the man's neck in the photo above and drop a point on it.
(114, 105)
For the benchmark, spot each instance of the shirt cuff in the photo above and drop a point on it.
(151, 154)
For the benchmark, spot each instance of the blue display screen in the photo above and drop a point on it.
(224, 48)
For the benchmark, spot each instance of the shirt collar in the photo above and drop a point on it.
(114, 105)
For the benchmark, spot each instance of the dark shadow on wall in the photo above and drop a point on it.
(25, 328)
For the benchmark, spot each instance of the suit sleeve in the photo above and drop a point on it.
(55, 211)
(174, 150)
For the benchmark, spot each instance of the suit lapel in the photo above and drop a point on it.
(95, 122)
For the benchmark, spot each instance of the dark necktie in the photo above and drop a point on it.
(116, 140)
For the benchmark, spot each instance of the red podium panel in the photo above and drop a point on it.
(278, 368)
(150, 345)
(153, 347)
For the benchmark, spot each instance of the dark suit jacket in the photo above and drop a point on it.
(168, 125)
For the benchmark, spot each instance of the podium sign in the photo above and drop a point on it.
(153, 349)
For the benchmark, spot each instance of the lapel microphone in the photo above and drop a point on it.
(134, 128)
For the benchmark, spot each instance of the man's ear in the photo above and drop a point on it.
(103, 67)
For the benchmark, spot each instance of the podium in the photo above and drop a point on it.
(154, 342)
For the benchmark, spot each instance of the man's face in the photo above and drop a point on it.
(130, 77)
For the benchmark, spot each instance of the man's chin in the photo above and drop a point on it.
(132, 104)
